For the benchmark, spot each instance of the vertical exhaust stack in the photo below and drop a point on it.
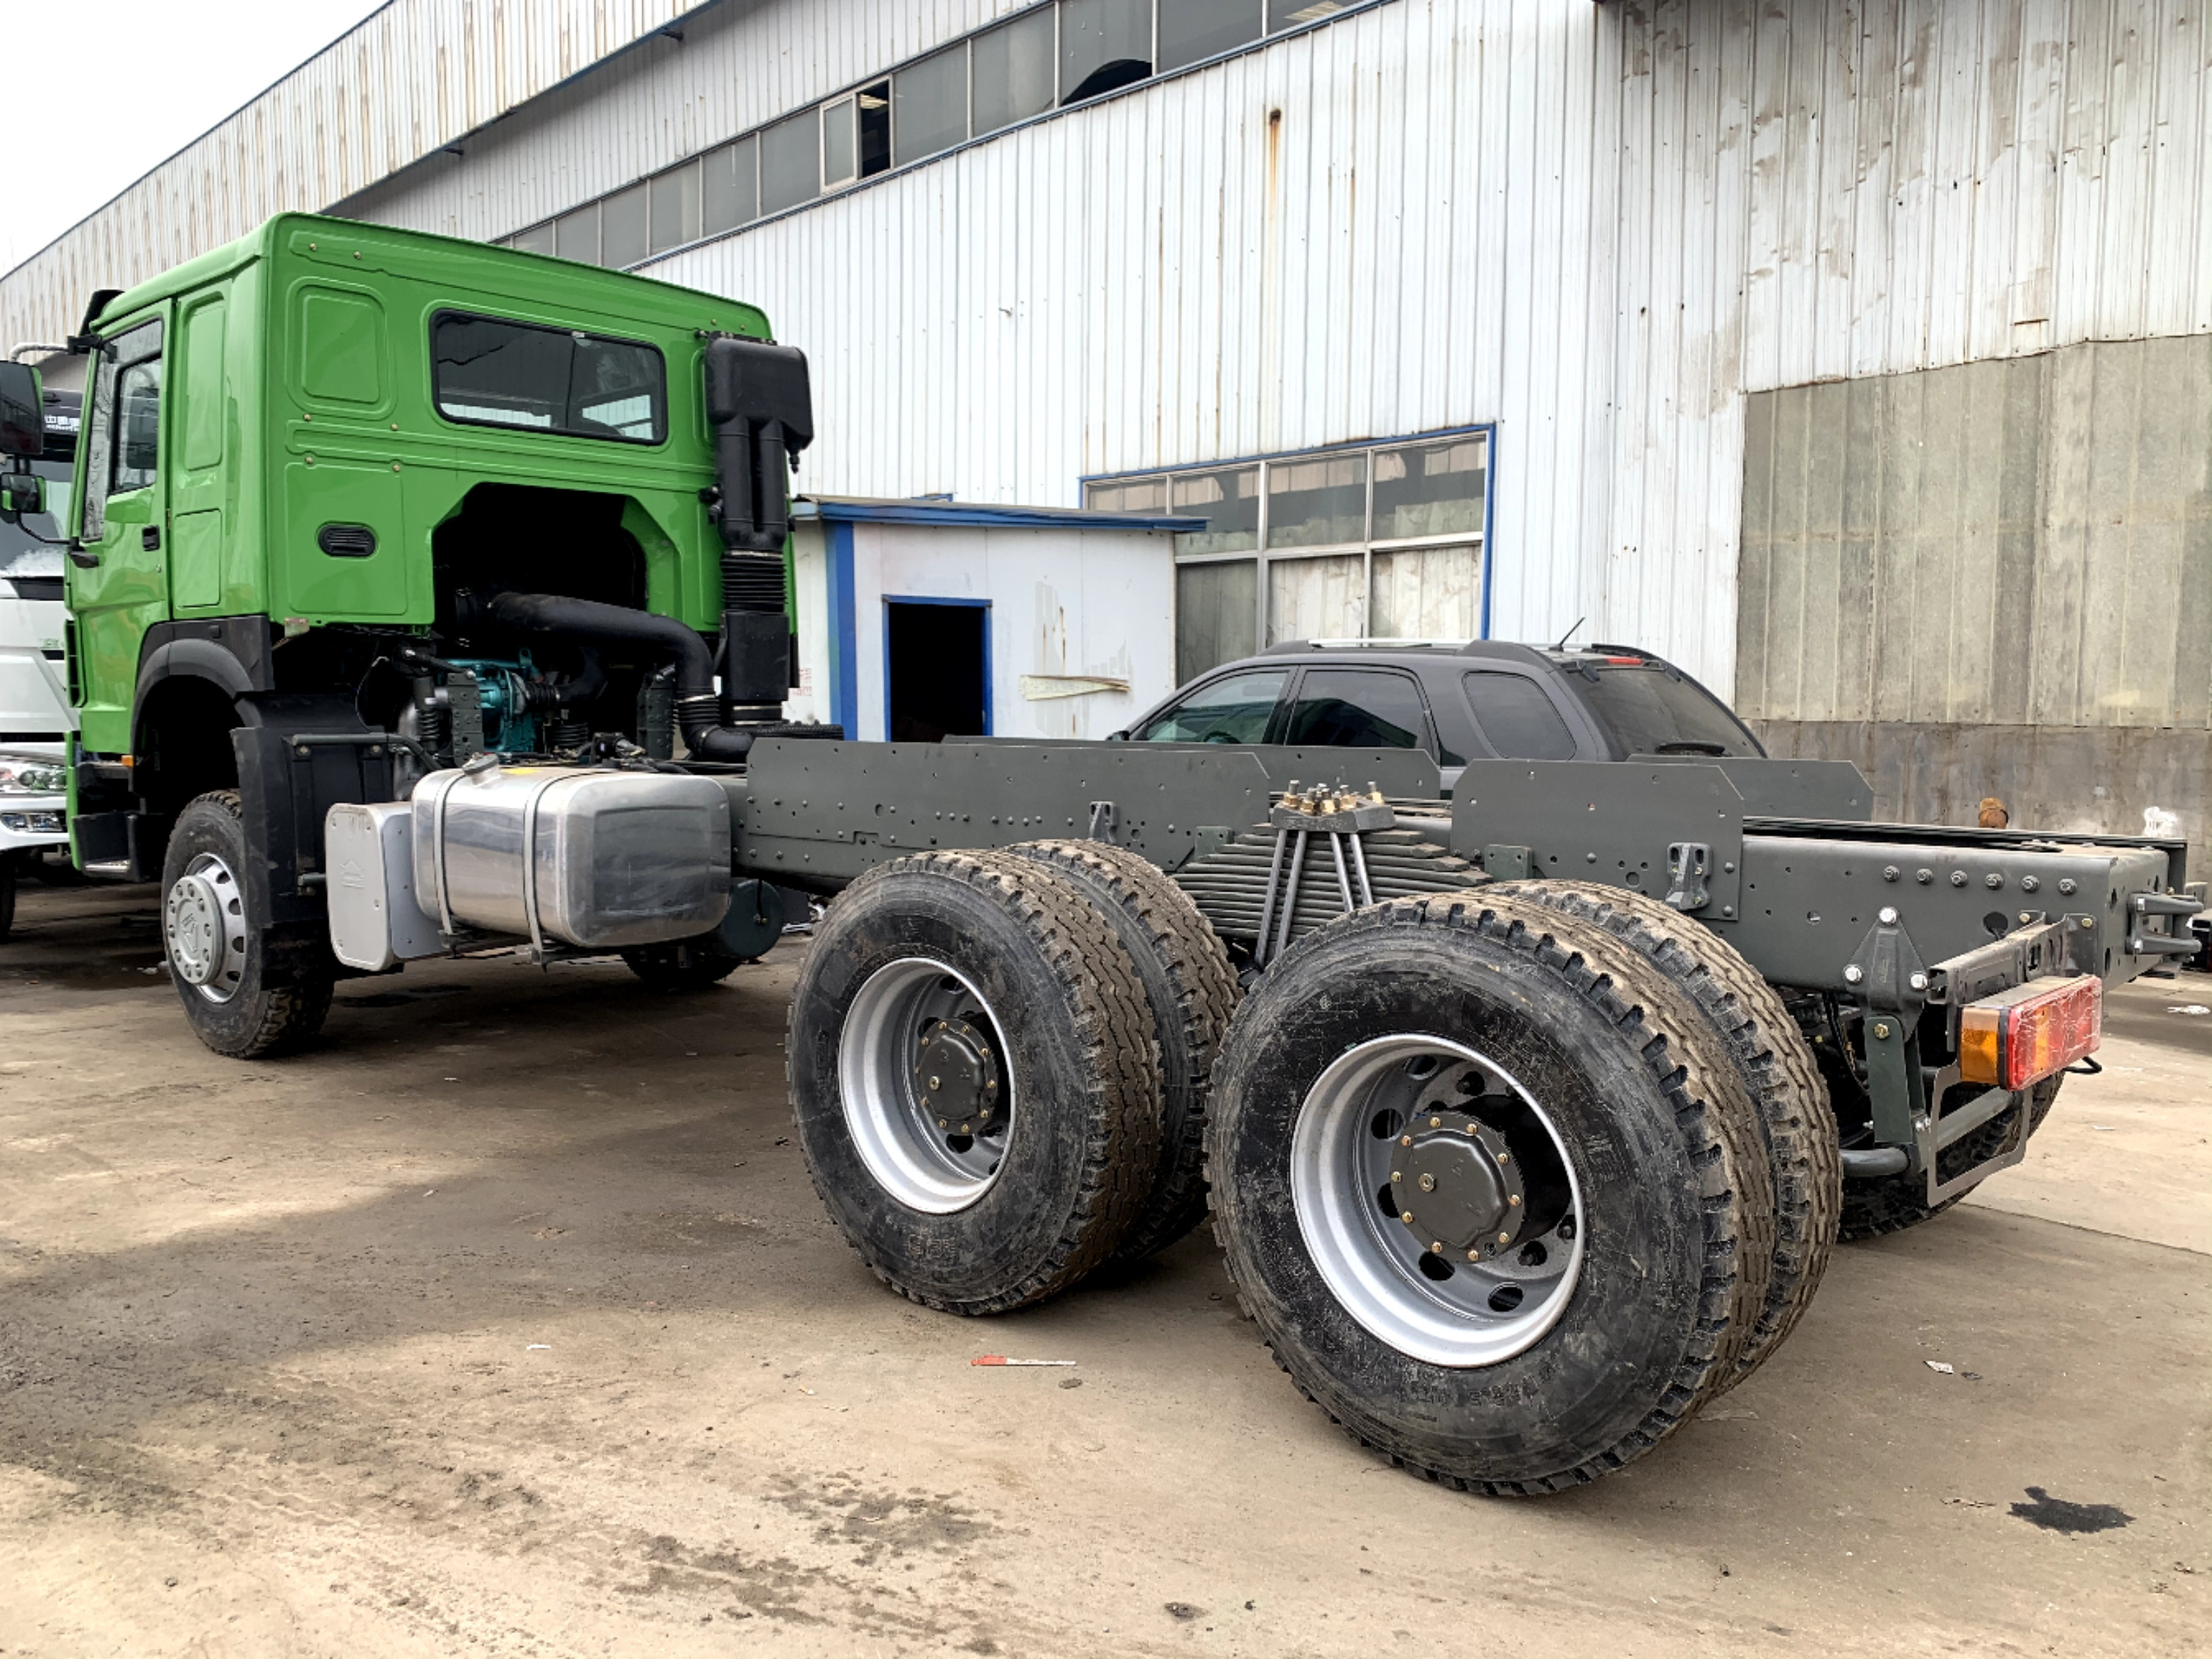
(761, 407)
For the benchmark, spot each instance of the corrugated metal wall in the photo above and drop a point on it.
(1816, 189)
(1597, 225)
(382, 104)
(1384, 226)
(2015, 543)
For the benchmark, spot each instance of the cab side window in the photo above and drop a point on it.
(1359, 709)
(123, 428)
(1517, 718)
(1234, 709)
(137, 425)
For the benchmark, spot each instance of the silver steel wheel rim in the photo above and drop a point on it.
(204, 924)
(919, 1157)
(1372, 1261)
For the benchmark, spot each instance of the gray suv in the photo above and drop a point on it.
(1484, 699)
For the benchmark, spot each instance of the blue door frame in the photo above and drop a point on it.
(984, 605)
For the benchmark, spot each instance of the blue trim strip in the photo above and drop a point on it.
(980, 515)
(1438, 434)
(844, 664)
(983, 605)
(1488, 521)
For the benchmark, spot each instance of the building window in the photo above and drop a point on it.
(1012, 71)
(929, 105)
(1061, 52)
(1192, 29)
(1104, 45)
(729, 187)
(791, 162)
(624, 238)
(1377, 541)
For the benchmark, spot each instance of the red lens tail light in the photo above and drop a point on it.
(2021, 1036)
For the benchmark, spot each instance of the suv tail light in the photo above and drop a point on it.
(2021, 1036)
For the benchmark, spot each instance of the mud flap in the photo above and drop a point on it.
(285, 790)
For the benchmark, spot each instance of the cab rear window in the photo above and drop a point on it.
(489, 370)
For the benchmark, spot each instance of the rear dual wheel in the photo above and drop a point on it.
(974, 1079)
(1492, 1187)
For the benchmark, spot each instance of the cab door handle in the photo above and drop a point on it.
(150, 539)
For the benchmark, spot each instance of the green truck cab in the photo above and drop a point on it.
(314, 461)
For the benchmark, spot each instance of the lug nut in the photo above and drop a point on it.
(1436, 1123)
(1408, 1218)
(1505, 1238)
(942, 1124)
(1503, 1157)
(1436, 1247)
(1405, 1140)
(1513, 1200)
(1474, 1255)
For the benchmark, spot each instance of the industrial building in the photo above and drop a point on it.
(1858, 356)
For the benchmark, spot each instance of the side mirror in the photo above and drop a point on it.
(22, 492)
(1123, 736)
(22, 413)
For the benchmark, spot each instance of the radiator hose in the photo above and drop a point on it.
(589, 622)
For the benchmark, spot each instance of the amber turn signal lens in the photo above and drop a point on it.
(2021, 1036)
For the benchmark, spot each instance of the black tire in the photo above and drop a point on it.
(7, 894)
(685, 966)
(1676, 1201)
(238, 1014)
(1062, 1016)
(1778, 1071)
(1191, 990)
(1890, 1204)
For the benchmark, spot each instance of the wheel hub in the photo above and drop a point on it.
(204, 919)
(1457, 1186)
(196, 933)
(956, 1080)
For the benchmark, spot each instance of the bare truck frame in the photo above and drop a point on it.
(401, 570)
(1526, 1118)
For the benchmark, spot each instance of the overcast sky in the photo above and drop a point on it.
(101, 91)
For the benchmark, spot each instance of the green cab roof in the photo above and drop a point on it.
(616, 292)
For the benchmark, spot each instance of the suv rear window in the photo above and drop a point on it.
(1648, 711)
(491, 372)
(1517, 718)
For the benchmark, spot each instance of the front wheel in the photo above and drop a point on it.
(213, 940)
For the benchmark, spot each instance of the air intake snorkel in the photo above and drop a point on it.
(761, 408)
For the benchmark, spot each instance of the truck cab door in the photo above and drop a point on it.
(118, 582)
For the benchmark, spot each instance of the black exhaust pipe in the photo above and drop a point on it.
(588, 622)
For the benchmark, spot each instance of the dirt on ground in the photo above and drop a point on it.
(506, 1321)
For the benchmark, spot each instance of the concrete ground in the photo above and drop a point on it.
(506, 1321)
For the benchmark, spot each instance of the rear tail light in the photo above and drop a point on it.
(2021, 1036)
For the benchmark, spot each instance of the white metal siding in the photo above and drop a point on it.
(1597, 225)
(377, 109)
(1178, 275)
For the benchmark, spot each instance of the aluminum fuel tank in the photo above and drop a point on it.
(619, 858)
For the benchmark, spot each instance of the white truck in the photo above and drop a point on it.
(35, 720)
